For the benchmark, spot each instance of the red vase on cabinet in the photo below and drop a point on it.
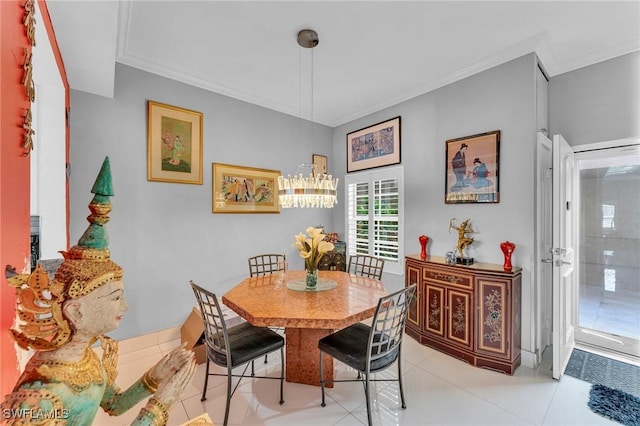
(507, 248)
(423, 245)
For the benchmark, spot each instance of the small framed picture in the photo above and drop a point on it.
(238, 189)
(374, 146)
(174, 145)
(472, 169)
(319, 164)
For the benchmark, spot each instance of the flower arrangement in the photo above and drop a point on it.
(312, 247)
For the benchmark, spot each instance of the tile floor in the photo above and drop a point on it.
(439, 390)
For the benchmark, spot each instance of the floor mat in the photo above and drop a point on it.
(615, 405)
(605, 371)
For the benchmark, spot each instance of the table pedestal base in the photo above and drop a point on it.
(303, 356)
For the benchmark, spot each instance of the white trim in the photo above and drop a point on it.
(606, 144)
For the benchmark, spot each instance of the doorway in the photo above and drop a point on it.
(609, 249)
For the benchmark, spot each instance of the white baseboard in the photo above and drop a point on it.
(529, 359)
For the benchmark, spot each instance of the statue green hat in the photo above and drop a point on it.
(86, 266)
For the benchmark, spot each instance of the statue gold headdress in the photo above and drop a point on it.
(86, 266)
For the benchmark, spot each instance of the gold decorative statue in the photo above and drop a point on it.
(463, 240)
(62, 316)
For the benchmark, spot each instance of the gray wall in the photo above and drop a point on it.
(597, 103)
(164, 234)
(502, 98)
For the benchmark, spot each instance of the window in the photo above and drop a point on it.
(375, 216)
(608, 216)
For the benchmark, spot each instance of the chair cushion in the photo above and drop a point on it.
(349, 346)
(247, 343)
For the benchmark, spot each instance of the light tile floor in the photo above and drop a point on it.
(439, 390)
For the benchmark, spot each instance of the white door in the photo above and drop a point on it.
(565, 283)
(544, 241)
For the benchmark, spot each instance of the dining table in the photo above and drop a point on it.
(282, 300)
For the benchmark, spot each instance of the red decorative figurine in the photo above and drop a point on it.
(507, 248)
(423, 243)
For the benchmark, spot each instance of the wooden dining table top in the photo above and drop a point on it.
(265, 301)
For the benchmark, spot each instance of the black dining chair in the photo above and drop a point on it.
(265, 264)
(371, 349)
(235, 346)
(366, 266)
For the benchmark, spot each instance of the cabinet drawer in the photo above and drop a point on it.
(448, 278)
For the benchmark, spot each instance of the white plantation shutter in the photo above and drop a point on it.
(374, 216)
(358, 229)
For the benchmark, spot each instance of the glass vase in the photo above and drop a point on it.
(312, 279)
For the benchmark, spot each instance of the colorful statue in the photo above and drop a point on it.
(463, 240)
(64, 382)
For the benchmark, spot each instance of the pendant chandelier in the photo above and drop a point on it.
(316, 190)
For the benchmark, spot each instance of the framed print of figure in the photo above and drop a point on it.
(472, 169)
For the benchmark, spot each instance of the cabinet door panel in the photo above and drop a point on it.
(434, 301)
(493, 316)
(459, 325)
(413, 277)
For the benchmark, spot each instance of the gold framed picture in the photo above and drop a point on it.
(174, 145)
(319, 164)
(239, 189)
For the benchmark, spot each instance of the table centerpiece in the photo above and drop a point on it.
(312, 247)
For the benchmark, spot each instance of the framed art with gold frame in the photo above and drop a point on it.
(239, 189)
(472, 169)
(374, 146)
(174, 144)
(319, 164)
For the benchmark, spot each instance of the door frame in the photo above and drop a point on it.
(590, 339)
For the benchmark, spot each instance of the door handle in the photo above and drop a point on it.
(547, 260)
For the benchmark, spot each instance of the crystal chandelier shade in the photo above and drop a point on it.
(316, 190)
(319, 191)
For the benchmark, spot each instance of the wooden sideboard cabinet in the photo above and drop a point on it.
(470, 312)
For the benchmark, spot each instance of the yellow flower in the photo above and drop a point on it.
(312, 247)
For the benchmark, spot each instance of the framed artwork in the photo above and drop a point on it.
(374, 146)
(238, 189)
(174, 145)
(472, 169)
(319, 164)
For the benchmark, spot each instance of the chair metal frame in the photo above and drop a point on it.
(265, 264)
(371, 349)
(218, 338)
(366, 266)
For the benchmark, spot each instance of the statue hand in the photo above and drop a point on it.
(169, 392)
(165, 369)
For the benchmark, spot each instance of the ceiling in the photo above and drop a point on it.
(371, 55)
